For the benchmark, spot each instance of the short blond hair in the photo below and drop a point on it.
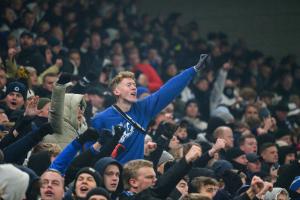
(119, 77)
(130, 170)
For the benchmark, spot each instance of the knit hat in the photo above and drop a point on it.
(295, 184)
(234, 153)
(165, 157)
(283, 151)
(98, 191)
(26, 33)
(281, 133)
(196, 172)
(13, 182)
(39, 162)
(42, 102)
(252, 157)
(17, 87)
(92, 172)
(220, 166)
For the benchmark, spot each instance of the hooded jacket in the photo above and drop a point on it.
(273, 195)
(63, 116)
(13, 182)
(100, 167)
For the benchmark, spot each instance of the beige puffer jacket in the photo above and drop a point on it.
(63, 116)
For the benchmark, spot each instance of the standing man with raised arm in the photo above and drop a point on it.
(134, 115)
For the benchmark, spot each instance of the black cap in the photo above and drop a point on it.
(234, 153)
(26, 33)
(252, 157)
(98, 191)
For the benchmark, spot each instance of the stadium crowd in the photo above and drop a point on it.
(99, 102)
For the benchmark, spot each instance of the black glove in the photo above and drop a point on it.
(64, 78)
(118, 130)
(106, 136)
(23, 125)
(88, 79)
(90, 134)
(166, 129)
(203, 62)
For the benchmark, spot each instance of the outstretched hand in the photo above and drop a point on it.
(31, 107)
(202, 63)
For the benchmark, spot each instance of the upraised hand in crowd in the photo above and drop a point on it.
(220, 144)
(193, 154)
(203, 62)
(90, 134)
(31, 106)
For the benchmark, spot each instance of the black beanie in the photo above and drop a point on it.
(92, 172)
(233, 153)
(17, 87)
(98, 191)
(283, 151)
(39, 162)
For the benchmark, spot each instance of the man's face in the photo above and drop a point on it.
(111, 177)
(95, 41)
(146, 178)
(76, 58)
(270, 155)
(254, 167)
(126, 91)
(52, 186)
(45, 110)
(228, 137)
(3, 79)
(181, 133)
(96, 100)
(14, 100)
(192, 110)
(209, 190)
(26, 41)
(289, 157)
(251, 112)
(85, 182)
(49, 83)
(282, 196)
(182, 187)
(249, 146)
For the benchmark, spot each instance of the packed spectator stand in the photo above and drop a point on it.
(100, 102)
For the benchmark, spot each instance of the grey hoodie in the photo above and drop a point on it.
(275, 192)
(13, 182)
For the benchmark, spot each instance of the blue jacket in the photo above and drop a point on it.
(142, 112)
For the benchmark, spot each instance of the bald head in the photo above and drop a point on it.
(225, 133)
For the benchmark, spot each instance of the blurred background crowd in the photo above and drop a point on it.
(253, 94)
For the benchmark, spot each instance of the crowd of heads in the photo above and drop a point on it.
(243, 112)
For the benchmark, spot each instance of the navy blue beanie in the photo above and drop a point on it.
(17, 87)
